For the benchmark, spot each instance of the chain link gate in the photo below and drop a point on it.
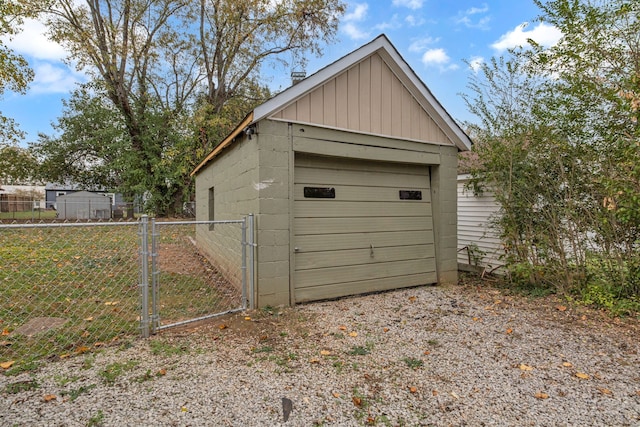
(182, 281)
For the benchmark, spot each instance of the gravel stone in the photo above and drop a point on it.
(441, 356)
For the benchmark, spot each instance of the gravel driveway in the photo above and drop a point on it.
(443, 356)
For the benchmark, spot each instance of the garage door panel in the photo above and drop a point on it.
(354, 288)
(307, 226)
(352, 273)
(338, 209)
(359, 193)
(335, 163)
(350, 177)
(336, 242)
(311, 260)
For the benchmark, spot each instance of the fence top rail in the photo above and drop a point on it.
(112, 223)
(235, 221)
(69, 224)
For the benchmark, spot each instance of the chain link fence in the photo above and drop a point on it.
(68, 288)
(197, 270)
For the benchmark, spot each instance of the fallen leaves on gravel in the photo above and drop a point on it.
(605, 391)
(541, 395)
(49, 397)
(353, 334)
(7, 365)
(524, 367)
(82, 349)
(567, 364)
(356, 401)
(582, 375)
(413, 389)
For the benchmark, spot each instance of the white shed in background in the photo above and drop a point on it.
(478, 244)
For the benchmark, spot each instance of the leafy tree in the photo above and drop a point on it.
(558, 143)
(17, 164)
(166, 63)
(15, 73)
(88, 150)
(598, 65)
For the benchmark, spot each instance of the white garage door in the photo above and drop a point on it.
(360, 226)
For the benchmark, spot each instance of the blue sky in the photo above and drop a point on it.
(434, 36)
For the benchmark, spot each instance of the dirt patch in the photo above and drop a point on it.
(262, 324)
(40, 325)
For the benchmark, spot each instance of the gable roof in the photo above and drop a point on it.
(380, 47)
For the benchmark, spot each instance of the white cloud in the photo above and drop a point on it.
(438, 58)
(435, 57)
(469, 19)
(33, 42)
(354, 32)
(544, 34)
(350, 20)
(411, 4)
(46, 57)
(393, 24)
(358, 14)
(421, 44)
(54, 78)
(476, 10)
(476, 63)
(413, 21)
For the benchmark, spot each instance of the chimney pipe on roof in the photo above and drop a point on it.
(297, 77)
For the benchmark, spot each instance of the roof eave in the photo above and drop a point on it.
(225, 143)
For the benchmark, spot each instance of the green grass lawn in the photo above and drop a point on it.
(29, 215)
(87, 278)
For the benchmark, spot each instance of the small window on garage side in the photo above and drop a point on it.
(319, 193)
(212, 215)
(410, 195)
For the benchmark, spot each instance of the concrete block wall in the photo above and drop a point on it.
(272, 219)
(444, 202)
(233, 176)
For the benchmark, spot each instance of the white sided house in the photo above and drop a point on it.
(351, 175)
(479, 245)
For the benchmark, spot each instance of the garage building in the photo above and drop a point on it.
(351, 175)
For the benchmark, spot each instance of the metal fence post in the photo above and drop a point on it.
(144, 275)
(155, 275)
(244, 245)
(252, 246)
